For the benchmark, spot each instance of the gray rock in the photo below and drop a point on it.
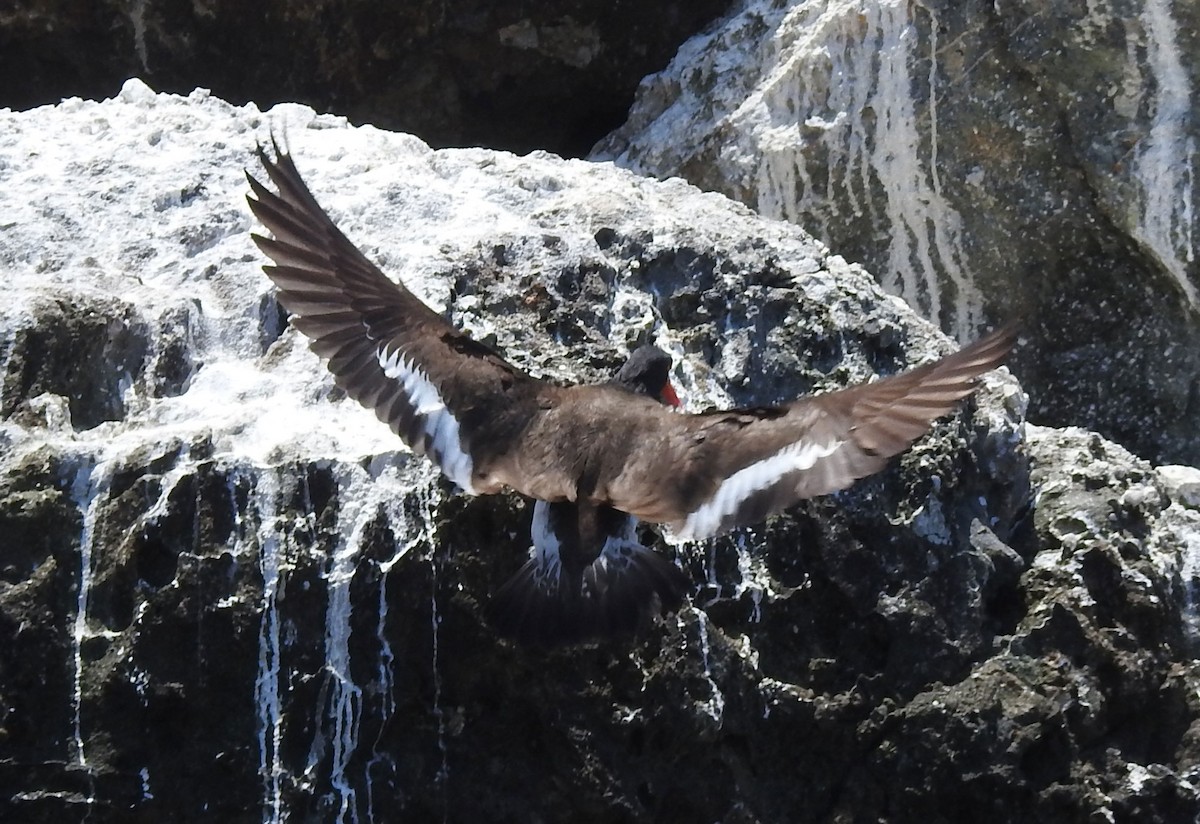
(243, 600)
(1183, 483)
(985, 161)
(77, 347)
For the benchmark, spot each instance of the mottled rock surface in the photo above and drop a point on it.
(509, 75)
(985, 161)
(227, 593)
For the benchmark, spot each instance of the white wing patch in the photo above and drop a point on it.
(745, 482)
(441, 427)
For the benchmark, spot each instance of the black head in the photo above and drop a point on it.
(646, 373)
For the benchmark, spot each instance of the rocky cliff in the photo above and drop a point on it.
(983, 160)
(227, 593)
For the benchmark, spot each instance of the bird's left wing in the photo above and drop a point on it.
(708, 473)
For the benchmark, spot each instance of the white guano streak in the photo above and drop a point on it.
(739, 486)
(343, 712)
(366, 496)
(89, 489)
(440, 426)
(926, 229)
(268, 707)
(1165, 162)
(715, 705)
(828, 64)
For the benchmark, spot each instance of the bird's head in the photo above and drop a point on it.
(647, 372)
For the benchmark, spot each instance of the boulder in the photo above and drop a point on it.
(227, 592)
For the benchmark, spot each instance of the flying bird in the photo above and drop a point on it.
(596, 458)
(588, 576)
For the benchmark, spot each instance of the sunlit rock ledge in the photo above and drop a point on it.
(226, 592)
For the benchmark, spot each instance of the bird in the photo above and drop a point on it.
(588, 576)
(596, 458)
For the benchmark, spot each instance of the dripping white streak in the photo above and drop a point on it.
(387, 479)
(345, 697)
(364, 494)
(266, 683)
(715, 705)
(820, 78)
(423, 536)
(88, 491)
(1165, 163)
(387, 660)
(750, 580)
(358, 507)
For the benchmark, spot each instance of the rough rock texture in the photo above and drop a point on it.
(510, 75)
(984, 160)
(225, 595)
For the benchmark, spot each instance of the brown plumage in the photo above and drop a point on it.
(488, 425)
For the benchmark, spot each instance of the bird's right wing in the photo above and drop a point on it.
(443, 393)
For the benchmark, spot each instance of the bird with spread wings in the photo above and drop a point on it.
(596, 458)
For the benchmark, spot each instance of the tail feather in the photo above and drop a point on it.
(622, 591)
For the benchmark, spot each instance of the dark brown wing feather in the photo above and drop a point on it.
(360, 320)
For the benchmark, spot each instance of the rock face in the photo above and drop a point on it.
(227, 594)
(984, 160)
(511, 75)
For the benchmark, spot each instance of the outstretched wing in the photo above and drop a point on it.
(389, 351)
(705, 474)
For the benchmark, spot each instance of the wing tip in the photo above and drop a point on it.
(999, 342)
